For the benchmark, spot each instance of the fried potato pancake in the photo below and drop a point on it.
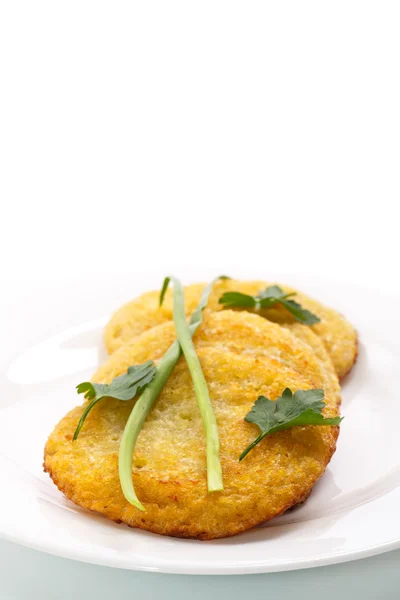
(337, 334)
(331, 381)
(294, 346)
(169, 462)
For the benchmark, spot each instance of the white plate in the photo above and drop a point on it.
(353, 511)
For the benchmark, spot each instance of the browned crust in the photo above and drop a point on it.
(184, 532)
(143, 313)
(356, 353)
(278, 474)
(355, 358)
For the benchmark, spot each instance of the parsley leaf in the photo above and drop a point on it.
(290, 410)
(300, 314)
(125, 387)
(267, 298)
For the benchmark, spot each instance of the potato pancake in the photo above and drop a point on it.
(294, 346)
(337, 334)
(242, 356)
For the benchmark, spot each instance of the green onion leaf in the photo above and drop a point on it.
(146, 401)
(164, 289)
(214, 470)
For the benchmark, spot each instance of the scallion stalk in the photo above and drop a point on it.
(146, 401)
(214, 470)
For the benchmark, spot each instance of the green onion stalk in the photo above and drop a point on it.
(150, 394)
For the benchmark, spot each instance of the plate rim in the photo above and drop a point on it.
(283, 566)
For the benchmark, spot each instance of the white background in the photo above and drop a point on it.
(146, 133)
(144, 136)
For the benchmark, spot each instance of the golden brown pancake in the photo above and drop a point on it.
(337, 334)
(242, 356)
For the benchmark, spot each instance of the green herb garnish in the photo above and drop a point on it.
(290, 410)
(124, 387)
(145, 402)
(266, 299)
(214, 470)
